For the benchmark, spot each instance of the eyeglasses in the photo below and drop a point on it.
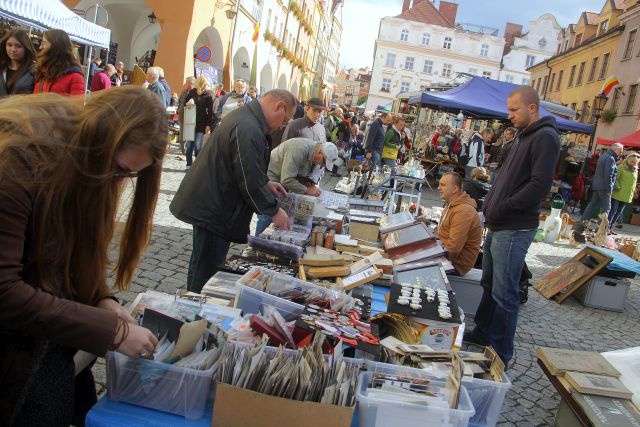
(122, 173)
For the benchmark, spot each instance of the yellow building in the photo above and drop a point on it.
(586, 51)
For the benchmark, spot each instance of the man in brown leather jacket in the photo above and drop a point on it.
(459, 228)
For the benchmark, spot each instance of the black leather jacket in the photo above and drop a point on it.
(227, 182)
(24, 85)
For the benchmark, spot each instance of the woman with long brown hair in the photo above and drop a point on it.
(58, 69)
(62, 169)
(17, 60)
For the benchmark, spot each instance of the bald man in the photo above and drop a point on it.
(511, 210)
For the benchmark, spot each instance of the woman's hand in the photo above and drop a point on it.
(110, 304)
(139, 342)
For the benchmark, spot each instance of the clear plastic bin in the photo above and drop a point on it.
(252, 294)
(374, 412)
(160, 386)
(252, 301)
(486, 396)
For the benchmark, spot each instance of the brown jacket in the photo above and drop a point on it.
(461, 232)
(30, 317)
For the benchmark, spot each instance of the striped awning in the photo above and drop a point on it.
(45, 14)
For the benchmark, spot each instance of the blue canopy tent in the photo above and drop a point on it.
(486, 99)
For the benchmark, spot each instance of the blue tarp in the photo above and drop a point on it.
(487, 99)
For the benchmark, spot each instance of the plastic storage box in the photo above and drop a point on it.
(160, 386)
(486, 396)
(251, 296)
(374, 412)
(605, 293)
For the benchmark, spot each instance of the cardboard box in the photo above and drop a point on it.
(635, 219)
(236, 407)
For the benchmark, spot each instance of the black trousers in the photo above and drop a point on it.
(208, 254)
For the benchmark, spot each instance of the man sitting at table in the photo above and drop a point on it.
(459, 229)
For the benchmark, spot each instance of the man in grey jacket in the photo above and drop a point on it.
(308, 126)
(602, 185)
(292, 162)
(228, 183)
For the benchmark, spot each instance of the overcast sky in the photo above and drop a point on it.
(361, 19)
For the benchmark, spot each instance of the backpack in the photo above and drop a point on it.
(333, 136)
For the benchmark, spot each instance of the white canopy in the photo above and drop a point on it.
(45, 14)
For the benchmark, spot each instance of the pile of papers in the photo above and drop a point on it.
(303, 375)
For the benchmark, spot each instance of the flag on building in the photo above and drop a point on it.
(609, 84)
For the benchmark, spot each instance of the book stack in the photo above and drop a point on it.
(594, 385)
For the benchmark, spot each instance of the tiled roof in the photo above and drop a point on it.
(592, 18)
(619, 4)
(424, 11)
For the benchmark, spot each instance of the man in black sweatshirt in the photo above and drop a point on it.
(511, 210)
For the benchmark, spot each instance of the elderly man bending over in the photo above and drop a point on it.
(459, 228)
(291, 164)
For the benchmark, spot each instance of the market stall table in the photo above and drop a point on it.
(430, 167)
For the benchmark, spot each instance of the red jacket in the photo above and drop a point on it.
(100, 81)
(71, 83)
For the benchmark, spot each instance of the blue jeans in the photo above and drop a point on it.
(208, 254)
(264, 221)
(376, 160)
(503, 257)
(393, 164)
(615, 216)
(599, 199)
(190, 147)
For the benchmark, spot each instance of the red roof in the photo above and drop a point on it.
(424, 11)
(619, 4)
(592, 18)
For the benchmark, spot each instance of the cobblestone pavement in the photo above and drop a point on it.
(532, 400)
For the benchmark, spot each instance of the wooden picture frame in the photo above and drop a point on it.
(563, 281)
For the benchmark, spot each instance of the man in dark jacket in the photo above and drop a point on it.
(220, 193)
(511, 210)
(374, 142)
(604, 180)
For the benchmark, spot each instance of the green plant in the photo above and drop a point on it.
(608, 116)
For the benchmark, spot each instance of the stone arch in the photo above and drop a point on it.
(242, 65)
(130, 27)
(266, 78)
(210, 37)
(294, 89)
(282, 82)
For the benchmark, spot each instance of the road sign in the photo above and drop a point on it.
(203, 53)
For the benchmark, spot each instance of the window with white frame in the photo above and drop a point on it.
(446, 70)
(447, 42)
(428, 66)
(508, 78)
(531, 60)
(386, 85)
(404, 35)
(426, 37)
(405, 86)
(473, 71)
(486, 74)
(408, 63)
(484, 49)
(391, 60)
(525, 81)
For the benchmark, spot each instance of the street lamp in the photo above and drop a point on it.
(152, 18)
(598, 105)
